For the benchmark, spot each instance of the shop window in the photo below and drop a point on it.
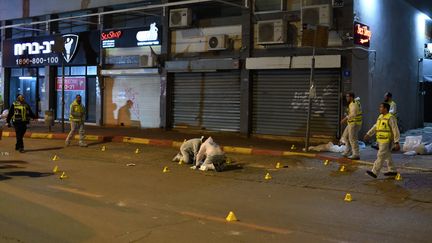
(30, 72)
(16, 72)
(41, 71)
(91, 70)
(79, 70)
(59, 71)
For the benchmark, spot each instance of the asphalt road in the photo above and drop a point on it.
(104, 200)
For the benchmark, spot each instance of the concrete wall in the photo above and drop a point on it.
(398, 35)
(12, 9)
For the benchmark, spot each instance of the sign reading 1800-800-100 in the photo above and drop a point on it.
(41, 51)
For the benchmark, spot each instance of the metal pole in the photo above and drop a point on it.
(311, 87)
(63, 101)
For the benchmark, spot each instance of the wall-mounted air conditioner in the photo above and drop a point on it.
(272, 32)
(181, 17)
(317, 15)
(217, 42)
(147, 61)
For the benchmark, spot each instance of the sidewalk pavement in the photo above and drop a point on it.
(231, 142)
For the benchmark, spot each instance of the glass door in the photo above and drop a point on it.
(24, 82)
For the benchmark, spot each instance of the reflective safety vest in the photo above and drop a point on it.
(358, 119)
(383, 130)
(20, 112)
(392, 103)
(76, 112)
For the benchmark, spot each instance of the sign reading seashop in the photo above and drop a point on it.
(131, 37)
(362, 34)
(72, 83)
(50, 50)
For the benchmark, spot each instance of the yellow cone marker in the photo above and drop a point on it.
(348, 198)
(63, 175)
(231, 217)
(228, 161)
(293, 147)
(267, 176)
(137, 151)
(55, 158)
(181, 162)
(55, 170)
(342, 168)
(165, 169)
(103, 148)
(278, 165)
(326, 162)
(398, 177)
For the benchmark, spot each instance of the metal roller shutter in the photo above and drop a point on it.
(280, 102)
(207, 100)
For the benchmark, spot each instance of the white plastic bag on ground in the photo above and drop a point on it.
(424, 149)
(410, 153)
(328, 147)
(321, 147)
(411, 143)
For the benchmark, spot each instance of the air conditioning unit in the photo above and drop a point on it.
(181, 17)
(147, 61)
(317, 15)
(217, 42)
(272, 32)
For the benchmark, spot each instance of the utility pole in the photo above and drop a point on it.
(312, 93)
(63, 100)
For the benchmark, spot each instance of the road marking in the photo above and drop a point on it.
(237, 150)
(239, 223)
(288, 153)
(136, 140)
(76, 191)
(41, 135)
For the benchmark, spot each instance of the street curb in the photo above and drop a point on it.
(177, 144)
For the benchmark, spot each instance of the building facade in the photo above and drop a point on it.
(237, 66)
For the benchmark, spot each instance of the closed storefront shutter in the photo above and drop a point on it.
(280, 103)
(208, 101)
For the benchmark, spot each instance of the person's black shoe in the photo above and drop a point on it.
(375, 146)
(370, 173)
(391, 173)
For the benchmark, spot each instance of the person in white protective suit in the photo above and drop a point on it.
(210, 157)
(189, 150)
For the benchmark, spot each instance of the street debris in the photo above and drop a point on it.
(329, 147)
(130, 164)
(413, 145)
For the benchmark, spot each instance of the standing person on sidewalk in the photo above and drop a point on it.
(354, 119)
(388, 98)
(20, 114)
(387, 133)
(76, 117)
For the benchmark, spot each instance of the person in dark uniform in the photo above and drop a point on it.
(20, 114)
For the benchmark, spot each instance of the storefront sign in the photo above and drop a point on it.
(362, 34)
(131, 37)
(72, 83)
(49, 50)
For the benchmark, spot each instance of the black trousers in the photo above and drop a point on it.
(20, 130)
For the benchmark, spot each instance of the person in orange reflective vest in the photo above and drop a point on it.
(387, 133)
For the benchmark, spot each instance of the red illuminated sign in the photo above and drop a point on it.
(111, 35)
(362, 34)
